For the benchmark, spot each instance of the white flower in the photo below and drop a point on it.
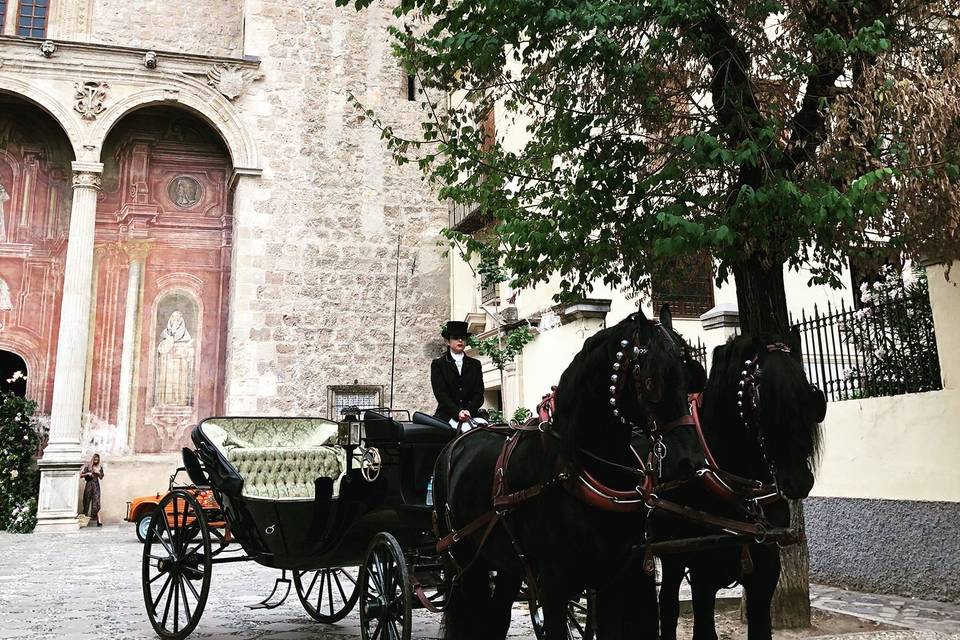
(14, 473)
(17, 417)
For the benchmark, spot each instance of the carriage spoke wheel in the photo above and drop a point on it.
(328, 595)
(386, 598)
(176, 566)
(580, 618)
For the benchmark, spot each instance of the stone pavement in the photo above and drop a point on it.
(900, 611)
(86, 586)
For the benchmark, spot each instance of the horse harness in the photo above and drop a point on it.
(504, 500)
(592, 492)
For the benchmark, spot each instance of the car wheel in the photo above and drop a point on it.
(143, 525)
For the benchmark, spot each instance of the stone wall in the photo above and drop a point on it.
(206, 27)
(316, 236)
(905, 547)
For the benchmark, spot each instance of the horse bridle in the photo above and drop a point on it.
(748, 401)
(631, 353)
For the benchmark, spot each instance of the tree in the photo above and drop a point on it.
(770, 133)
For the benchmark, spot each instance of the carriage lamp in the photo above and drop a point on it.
(349, 432)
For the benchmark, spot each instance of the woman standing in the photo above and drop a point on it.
(92, 473)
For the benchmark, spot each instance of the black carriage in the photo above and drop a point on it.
(342, 506)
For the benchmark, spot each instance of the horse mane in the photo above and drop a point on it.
(584, 413)
(787, 418)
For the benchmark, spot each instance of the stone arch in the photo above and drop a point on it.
(25, 347)
(49, 104)
(14, 372)
(216, 111)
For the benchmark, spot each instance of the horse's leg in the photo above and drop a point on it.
(466, 616)
(703, 590)
(759, 586)
(642, 619)
(506, 588)
(670, 580)
(627, 607)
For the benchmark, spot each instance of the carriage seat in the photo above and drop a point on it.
(423, 429)
(279, 458)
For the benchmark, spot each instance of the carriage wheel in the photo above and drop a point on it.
(176, 566)
(579, 618)
(385, 591)
(330, 594)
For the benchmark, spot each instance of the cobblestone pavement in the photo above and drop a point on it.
(912, 613)
(86, 585)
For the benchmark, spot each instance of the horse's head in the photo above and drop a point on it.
(648, 391)
(759, 385)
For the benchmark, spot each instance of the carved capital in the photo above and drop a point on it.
(86, 180)
(89, 97)
(137, 250)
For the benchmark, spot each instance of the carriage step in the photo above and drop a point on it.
(266, 602)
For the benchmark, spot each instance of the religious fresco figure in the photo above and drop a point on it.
(6, 303)
(175, 363)
(4, 197)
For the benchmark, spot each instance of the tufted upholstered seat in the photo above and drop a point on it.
(279, 458)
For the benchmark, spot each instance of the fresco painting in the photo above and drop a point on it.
(163, 238)
(35, 200)
(165, 209)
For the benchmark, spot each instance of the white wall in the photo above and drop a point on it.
(903, 447)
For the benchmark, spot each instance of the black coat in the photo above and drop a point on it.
(455, 391)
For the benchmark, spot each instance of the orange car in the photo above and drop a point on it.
(140, 510)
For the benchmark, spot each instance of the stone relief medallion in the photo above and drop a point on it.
(184, 191)
(230, 80)
(89, 98)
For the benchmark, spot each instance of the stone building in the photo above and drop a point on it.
(194, 221)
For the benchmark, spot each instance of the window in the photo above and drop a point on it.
(489, 294)
(3, 13)
(362, 396)
(689, 290)
(32, 18)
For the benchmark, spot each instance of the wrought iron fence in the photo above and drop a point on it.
(885, 348)
(699, 352)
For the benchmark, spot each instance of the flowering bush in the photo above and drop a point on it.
(19, 478)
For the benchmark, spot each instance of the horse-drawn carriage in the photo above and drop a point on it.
(345, 506)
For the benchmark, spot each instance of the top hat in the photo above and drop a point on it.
(455, 329)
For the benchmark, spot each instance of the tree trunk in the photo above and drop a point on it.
(762, 304)
(761, 300)
(791, 601)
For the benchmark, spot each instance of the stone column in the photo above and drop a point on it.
(61, 462)
(247, 273)
(136, 253)
(719, 325)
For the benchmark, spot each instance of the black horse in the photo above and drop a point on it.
(761, 420)
(627, 379)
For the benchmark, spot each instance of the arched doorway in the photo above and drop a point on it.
(35, 201)
(161, 277)
(13, 373)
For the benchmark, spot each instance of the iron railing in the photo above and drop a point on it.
(699, 352)
(885, 348)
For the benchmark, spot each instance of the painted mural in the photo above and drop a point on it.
(161, 272)
(35, 199)
(163, 235)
